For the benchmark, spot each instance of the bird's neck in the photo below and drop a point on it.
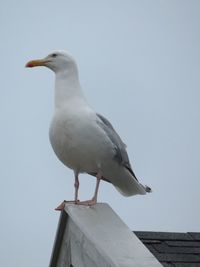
(67, 88)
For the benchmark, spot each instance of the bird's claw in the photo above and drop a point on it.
(90, 202)
(61, 207)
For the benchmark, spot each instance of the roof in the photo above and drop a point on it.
(96, 236)
(173, 249)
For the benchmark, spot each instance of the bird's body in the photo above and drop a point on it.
(83, 140)
(75, 137)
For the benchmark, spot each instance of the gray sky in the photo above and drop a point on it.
(139, 65)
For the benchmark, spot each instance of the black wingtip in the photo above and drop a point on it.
(148, 189)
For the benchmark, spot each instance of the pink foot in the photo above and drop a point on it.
(90, 202)
(62, 205)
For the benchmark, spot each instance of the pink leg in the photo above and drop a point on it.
(75, 201)
(92, 201)
(76, 185)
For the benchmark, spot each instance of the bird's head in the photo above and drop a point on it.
(56, 61)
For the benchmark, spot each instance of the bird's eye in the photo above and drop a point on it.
(54, 55)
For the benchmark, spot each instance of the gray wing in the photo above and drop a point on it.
(121, 155)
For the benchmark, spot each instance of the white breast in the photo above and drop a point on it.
(78, 141)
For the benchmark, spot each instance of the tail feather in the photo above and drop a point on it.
(125, 182)
(147, 188)
(128, 185)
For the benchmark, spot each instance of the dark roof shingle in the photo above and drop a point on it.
(173, 249)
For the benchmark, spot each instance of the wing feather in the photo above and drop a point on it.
(121, 155)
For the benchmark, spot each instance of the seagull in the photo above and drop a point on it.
(82, 139)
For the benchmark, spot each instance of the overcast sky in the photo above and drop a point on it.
(139, 65)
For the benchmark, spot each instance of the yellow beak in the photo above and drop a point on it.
(35, 63)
